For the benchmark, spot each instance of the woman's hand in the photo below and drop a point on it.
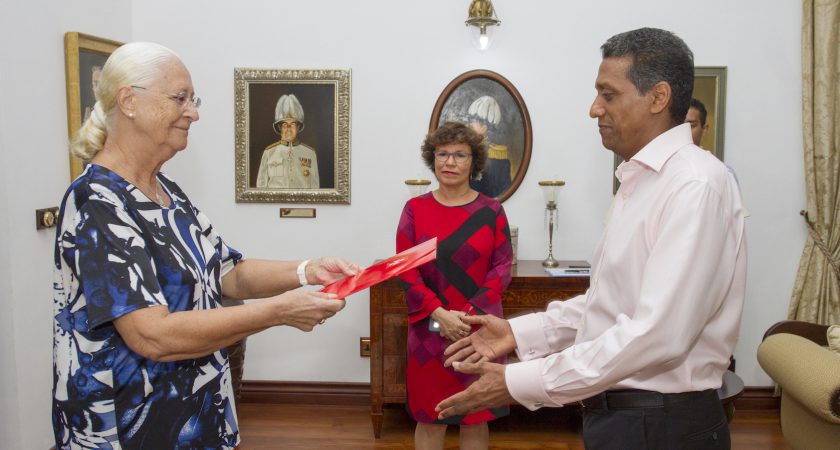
(304, 309)
(451, 326)
(329, 269)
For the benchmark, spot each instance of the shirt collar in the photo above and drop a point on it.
(653, 155)
(662, 147)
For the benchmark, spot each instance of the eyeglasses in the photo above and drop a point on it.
(182, 99)
(459, 157)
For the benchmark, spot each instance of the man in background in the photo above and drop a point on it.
(696, 117)
(645, 348)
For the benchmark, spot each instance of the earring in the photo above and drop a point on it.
(130, 115)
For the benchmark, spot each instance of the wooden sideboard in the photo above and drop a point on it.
(529, 291)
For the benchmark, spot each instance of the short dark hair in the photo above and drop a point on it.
(701, 108)
(657, 55)
(455, 133)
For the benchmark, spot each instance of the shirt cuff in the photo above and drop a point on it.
(525, 384)
(530, 338)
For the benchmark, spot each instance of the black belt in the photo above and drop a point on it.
(636, 399)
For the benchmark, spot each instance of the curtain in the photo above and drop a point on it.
(816, 292)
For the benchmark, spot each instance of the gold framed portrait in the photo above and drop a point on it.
(292, 135)
(84, 56)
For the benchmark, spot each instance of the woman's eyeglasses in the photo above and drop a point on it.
(459, 157)
(182, 99)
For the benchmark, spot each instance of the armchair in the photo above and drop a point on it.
(793, 353)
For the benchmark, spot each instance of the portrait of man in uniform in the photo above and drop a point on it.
(292, 135)
(491, 105)
(484, 116)
(90, 99)
(288, 163)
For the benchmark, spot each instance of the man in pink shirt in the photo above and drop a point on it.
(645, 348)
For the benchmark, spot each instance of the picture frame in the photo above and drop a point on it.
(83, 56)
(491, 104)
(312, 163)
(710, 90)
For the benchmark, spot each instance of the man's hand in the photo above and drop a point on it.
(329, 269)
(492, 341)
(489, 391)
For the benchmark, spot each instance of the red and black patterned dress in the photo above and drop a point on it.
(470, 274)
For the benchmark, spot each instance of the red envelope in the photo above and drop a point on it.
(385, 269)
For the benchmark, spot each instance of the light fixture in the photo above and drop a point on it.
(550, 189)
(417, 186)
(481, 17)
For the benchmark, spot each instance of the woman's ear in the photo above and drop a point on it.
(126, 100)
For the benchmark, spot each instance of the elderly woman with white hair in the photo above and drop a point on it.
(139, 331)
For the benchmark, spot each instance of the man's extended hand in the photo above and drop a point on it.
(489, 391)
(492, 341)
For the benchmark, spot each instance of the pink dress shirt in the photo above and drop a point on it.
(664, 305)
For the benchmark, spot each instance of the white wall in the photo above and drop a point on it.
(402, 55)
(33, 143)
(8, 366)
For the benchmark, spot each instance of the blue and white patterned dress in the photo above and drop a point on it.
(116, 252)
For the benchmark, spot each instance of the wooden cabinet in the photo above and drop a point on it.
(529, 291)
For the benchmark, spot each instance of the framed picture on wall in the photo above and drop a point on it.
(490, 104)
(84, 56)
(707, 117)
(292, 135)
(710, 90)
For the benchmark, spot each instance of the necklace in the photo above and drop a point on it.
(453, 199)
(158, 197)
(157, 194)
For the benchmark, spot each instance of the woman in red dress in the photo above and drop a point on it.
(470, 274)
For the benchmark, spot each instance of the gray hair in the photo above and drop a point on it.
(132, 64)
(657, 55)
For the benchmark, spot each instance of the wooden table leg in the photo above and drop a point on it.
(376, 419)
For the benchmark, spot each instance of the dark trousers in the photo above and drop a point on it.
(682, 422)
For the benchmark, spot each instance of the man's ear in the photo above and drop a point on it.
(661, 93)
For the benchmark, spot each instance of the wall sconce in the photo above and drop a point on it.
(481, 17)
(550, 189)
(417, 187)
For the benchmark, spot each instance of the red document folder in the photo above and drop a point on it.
(385, 269)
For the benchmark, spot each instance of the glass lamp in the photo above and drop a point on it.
(417, 186)
(550, 189)
(482, 20)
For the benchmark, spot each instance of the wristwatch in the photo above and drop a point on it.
(301, 273)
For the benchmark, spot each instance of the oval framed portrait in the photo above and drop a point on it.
(490, 104)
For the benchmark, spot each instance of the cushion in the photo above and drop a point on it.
(833, 336)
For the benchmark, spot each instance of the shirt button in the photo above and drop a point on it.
(538, 405)
(531, 352)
